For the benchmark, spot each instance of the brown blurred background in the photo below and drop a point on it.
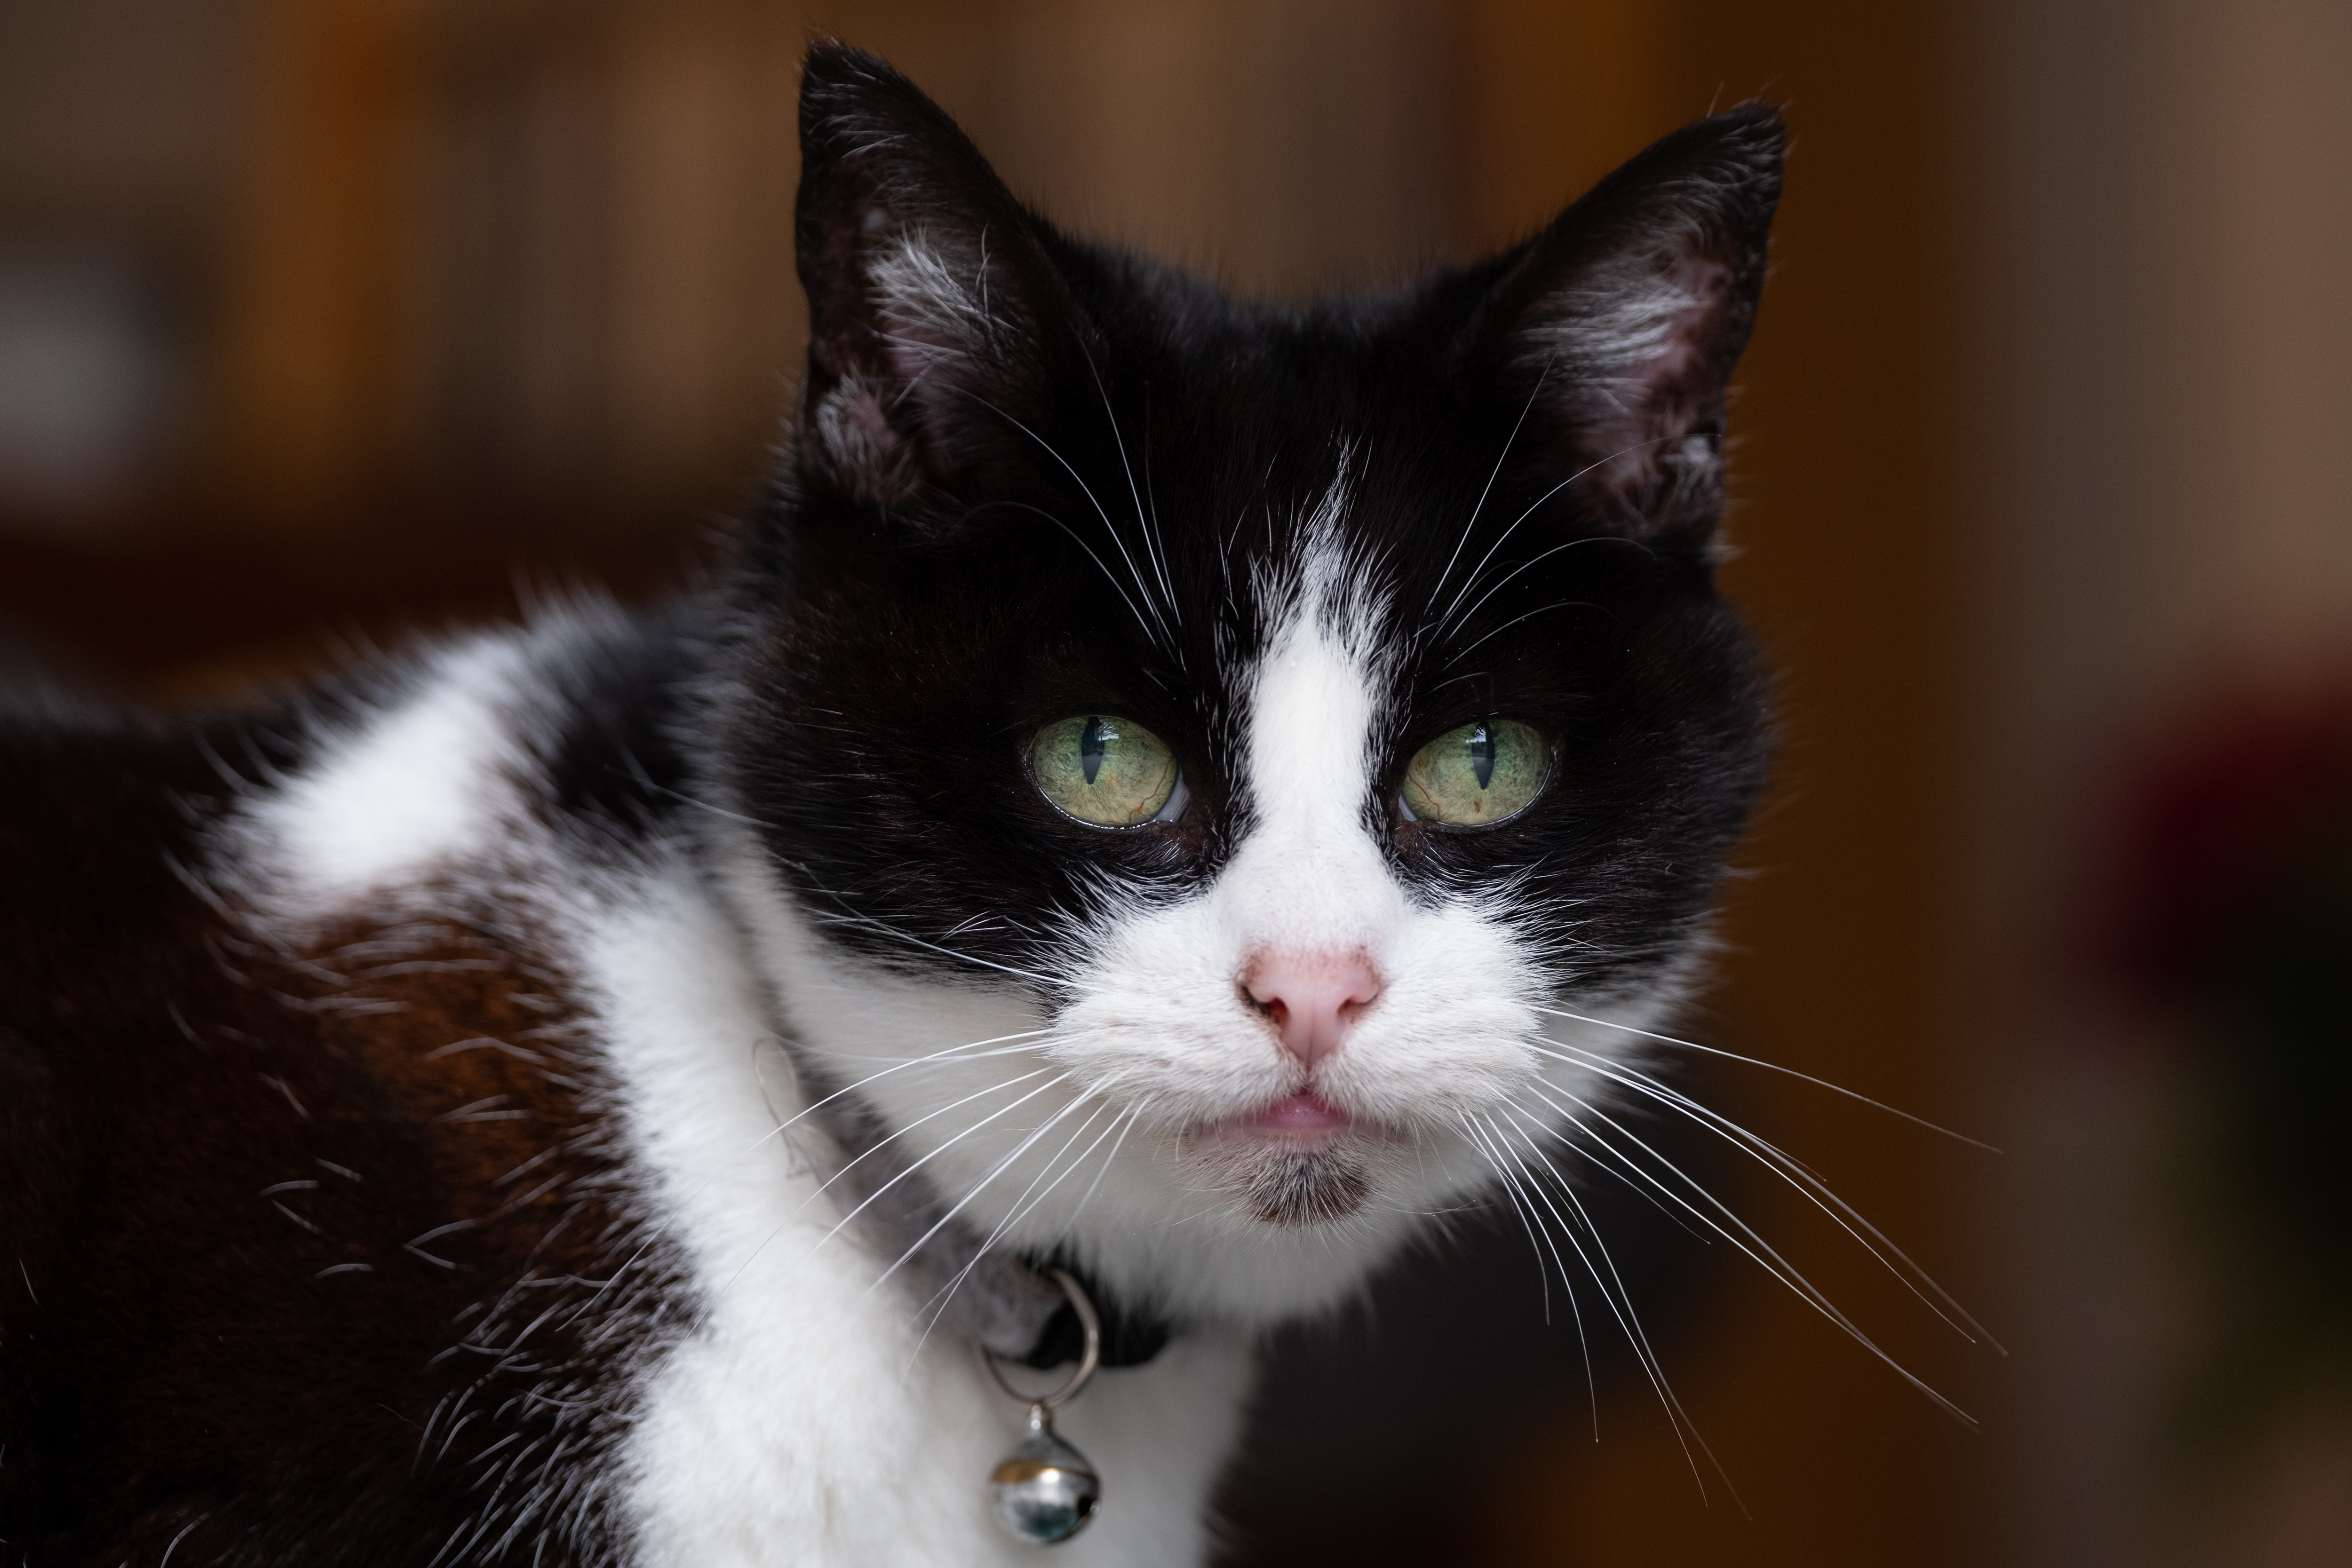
(324, 319)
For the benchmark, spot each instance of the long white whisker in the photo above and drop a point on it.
(782, 1127)
(849, 914)
(1777, 1266)
(1167, 638)
(1651, 1369)
(933, 1058)
(1494, 474)
(1541, 556)
(1818, 1192)
(1620, 1173)
(1575, 1308)
(1771, 1067)
(1467, 649)
(1109, 576)
(1134, 1116)
(1769, 1260)
(978, 1187)
(1629, 1322)
(1471, 582)
(1526, 1217)
(851, 917)
(1021, 1205)
(1142, 523)
(943, 1148)
(778, 1228)
(945, 1296)
(896, 1133)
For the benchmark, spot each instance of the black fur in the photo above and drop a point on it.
(218, 1158)
(989, 557)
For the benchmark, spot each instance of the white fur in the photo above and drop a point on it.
(431, 780)
(925, 302)
(807, 1420)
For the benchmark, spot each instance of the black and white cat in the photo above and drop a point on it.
(1177, 790)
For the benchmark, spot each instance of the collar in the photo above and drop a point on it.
(1001, 1300)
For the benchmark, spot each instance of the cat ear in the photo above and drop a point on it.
(1618, 326)
(936, 320)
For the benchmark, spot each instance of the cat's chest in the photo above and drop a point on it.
(804, 1411)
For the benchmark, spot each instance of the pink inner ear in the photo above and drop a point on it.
(1639, 372)
(868, 456)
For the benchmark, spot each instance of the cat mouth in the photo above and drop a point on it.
(1305, 1116)
(1296, 1162)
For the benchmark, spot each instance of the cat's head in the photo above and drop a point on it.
(1202, 753)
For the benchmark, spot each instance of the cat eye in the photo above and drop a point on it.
(1107, 772)
(1481, 773)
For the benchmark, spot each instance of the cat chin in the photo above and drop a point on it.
(1295, 1186)
(1292, 1178)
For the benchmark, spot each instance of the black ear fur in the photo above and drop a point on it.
(1620, 322)
(937, 326)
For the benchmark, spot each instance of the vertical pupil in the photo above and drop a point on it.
(1482, 754)
(1090, 746)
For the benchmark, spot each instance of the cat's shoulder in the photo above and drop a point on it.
(301, 1091)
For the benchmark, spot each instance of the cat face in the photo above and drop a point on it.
(1201, 752)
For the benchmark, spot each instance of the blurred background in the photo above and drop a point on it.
(324, 320)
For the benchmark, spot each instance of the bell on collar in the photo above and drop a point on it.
(1045, 1490)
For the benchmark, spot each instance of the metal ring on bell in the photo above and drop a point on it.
(1088, 1360)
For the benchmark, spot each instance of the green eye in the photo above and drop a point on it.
(1481, 773)
(1111, 772)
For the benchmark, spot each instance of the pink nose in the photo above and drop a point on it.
(1312, 999)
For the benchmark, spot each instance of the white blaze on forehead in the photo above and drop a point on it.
(1308, 875)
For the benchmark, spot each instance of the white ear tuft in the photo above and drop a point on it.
(936, 319)
(1625, 318)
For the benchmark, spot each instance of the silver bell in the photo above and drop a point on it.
(1045, 1490)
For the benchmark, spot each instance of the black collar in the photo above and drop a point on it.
(1130, 1337)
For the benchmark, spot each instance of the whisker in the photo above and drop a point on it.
(1538, 558)
(1116, 587)
(1021, 1205)
(1022, 1208)
(1773, 1067)
(916, 1165)
(849, 914)
(948, 1052)
(1576, 1309)
(1134, 1116)
(1614, 1170)
(849, 917)
(1143, 524)
(1816, 1191)
(1166, 638)
(1472, 580)
(943, 1148)
(1627, 1324)
(1495, 473)
(898, 1133)
(1464, 650)
(978, 1187)
(1766, 1257)
(1631, 1321)
(1628, 1320)
(1526, 1213)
